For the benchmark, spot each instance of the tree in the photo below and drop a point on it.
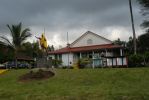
(6, 53)
(27, 49)
(37, 52)
(18, 35)
(135, 60)
(50, 48)
(144, 38)
(133, 28)
(129, 46)
(31, 49)
(143, 44)
(145, 12)
(119, 42)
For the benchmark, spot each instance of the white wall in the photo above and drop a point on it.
(65, 59)
(96, 40)
(117, 61)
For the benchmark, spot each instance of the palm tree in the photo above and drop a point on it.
(133, 29)
(18, 38)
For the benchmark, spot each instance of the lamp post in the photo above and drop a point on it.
(133, 28)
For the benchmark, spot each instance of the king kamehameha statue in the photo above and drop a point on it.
(44, 61)
(43, 42)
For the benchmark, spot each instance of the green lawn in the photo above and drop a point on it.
(82, 84)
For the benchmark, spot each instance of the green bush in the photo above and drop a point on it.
(56, 63)
(135, 60)
(83, 62)
(146, 56)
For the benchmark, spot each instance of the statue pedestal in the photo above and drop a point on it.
(44, 62)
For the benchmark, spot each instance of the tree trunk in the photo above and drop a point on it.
(16, 60)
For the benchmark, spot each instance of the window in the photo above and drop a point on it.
(89, 41)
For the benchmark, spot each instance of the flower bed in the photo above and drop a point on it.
(36, 75)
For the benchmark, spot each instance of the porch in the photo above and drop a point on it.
(103, 58)
(107, 55)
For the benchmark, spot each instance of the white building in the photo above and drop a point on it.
(90, 45)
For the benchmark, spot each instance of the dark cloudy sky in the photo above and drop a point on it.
(108, 18)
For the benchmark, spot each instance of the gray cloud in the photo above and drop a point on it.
(74, 16)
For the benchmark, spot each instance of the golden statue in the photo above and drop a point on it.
(43, 41)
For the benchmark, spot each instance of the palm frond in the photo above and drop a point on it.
(18, 35)
(6, 42)
(10, 28)
(25, 34)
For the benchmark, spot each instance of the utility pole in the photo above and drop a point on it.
(133, 29)
(68, 46)
(67, 39)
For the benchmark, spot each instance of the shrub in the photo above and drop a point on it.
(56, 63)
(64, 67)
(146, 58)
(135, 60)
(146, 55)
(84, 62)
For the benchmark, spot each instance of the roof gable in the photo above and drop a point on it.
(89, 38)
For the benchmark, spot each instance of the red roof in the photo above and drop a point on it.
(85, 48)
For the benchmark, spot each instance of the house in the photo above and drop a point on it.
(90, 45)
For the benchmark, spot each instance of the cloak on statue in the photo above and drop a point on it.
(43, 41)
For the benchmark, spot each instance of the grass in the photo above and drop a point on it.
(82, 84)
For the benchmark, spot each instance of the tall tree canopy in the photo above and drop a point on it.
(18, 35)
(145, 12)
(143, 44)
(144, 38)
